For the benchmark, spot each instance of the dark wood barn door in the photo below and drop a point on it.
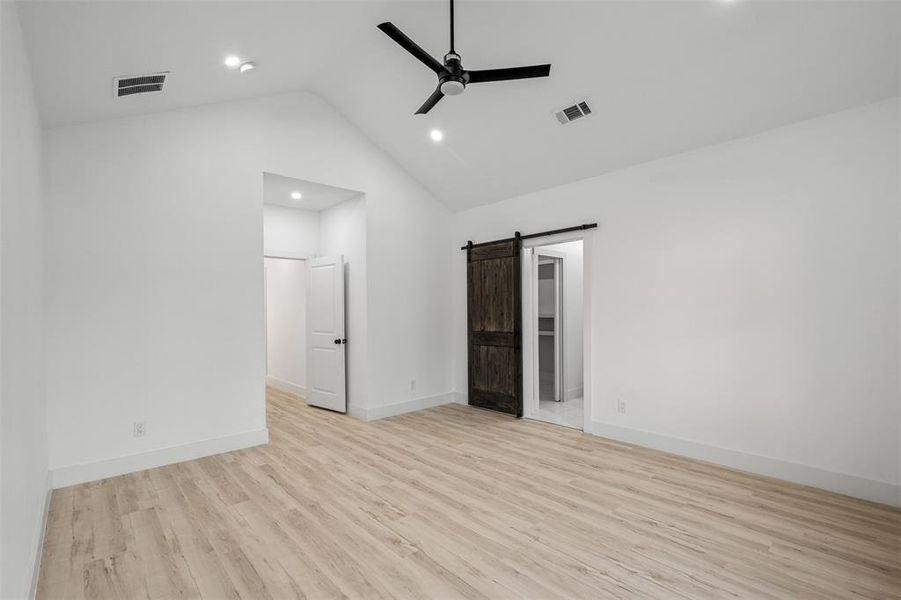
(495, 321)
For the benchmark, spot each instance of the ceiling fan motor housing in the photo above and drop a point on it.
(453, 81)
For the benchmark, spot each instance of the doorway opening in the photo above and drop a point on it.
(311, 234)
(553, 314)
(286, 351)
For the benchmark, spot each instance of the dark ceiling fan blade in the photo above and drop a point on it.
(410, 46)
(487, 75)
(431, 102)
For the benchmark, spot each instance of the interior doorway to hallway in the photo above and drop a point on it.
(308, 231)
(286, 335)
(552, 308)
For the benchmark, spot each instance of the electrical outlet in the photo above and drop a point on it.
(412, 385)
(140, 428)
(621, 407)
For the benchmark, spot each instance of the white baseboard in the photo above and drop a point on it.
(75, 474)
(356, 412)
(399, 408)
(37, 550)
(573, 393)
(285, 385)
(461, 397)
(850, 485)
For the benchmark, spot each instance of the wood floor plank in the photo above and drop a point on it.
(456, 502)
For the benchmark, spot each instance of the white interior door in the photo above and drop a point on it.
(326, 344)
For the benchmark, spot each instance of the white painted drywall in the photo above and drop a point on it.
(744, 296)
(23, 424)
(409, 298)
(572, 314)
(156, 283)
(286, 329)
(290, 231)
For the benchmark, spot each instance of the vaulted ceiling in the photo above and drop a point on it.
(661, 77)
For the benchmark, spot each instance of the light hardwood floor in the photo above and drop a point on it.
(457, 502)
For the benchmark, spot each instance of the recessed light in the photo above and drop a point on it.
(296, 195)
(247, 65)
(232, 61)
(437, 135)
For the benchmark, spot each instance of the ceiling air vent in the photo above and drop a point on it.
(569, 114)
(139, 84)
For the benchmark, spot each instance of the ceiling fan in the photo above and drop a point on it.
(452, 77)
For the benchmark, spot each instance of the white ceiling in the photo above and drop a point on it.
(662, 77)
(277, 190)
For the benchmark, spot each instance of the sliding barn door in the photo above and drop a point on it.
(495, 318)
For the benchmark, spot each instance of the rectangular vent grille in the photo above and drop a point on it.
(572, 113)
(568, 114)
(139, 84)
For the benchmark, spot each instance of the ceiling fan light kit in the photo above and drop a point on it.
(452, 77)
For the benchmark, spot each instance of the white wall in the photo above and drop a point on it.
(23, 426)
(409, 299)
(290, 232)
(155, 236)
(744, 298)
(286, 327)
(572, 315)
